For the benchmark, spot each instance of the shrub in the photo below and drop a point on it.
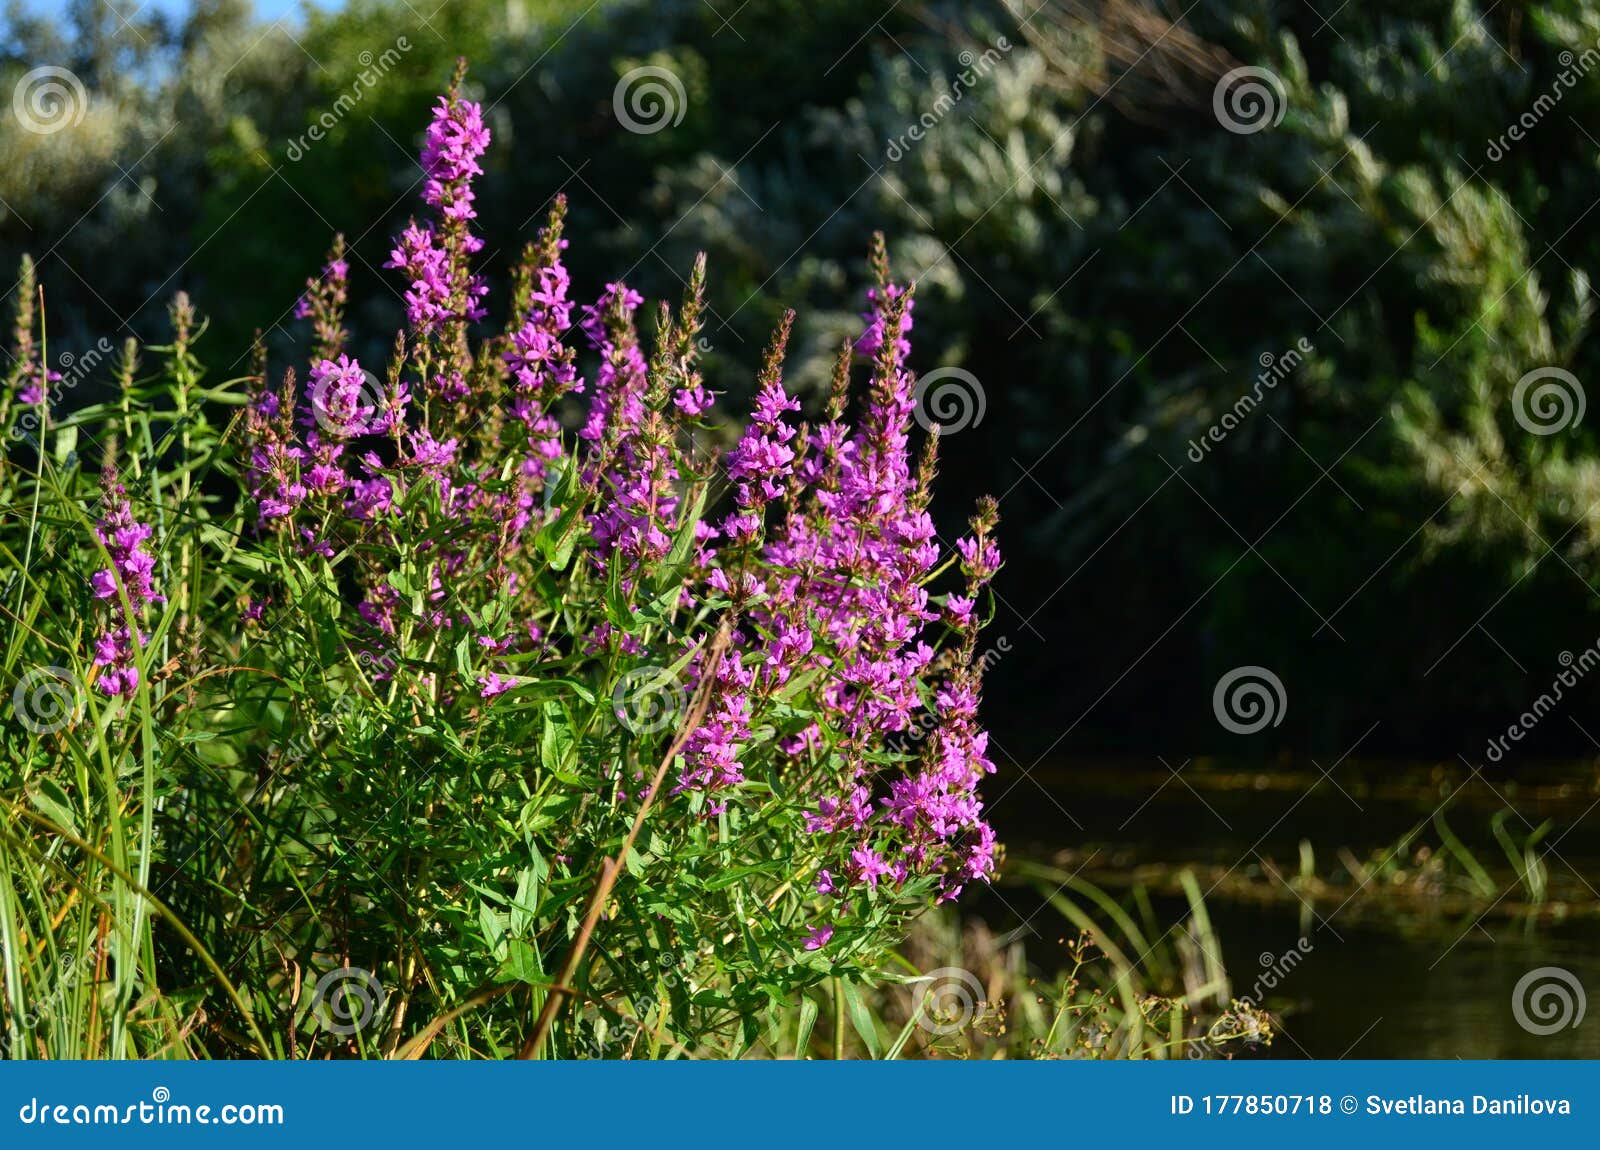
(421, 702)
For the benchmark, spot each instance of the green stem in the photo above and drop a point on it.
(838, 1019)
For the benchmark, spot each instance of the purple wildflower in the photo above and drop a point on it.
(339, 406)
(132, 573)
(492, 684)
(323, 303)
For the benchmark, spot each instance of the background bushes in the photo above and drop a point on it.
(1093, 246)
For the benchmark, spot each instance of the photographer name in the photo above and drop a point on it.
(1418, 1104)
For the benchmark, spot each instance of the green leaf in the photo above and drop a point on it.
(492, 923)
(798, 684)
(65, 444)
(522, 964)
(749, 1032)
(52, 802)
(904, 1036)
(860, 1017)
(525, 906)
(671, 569)
(683, 541)
(544, 689)
(561, 554)
(556, 540)
(808, 1020)
(736, 874)
(618, 610)
(557, 739)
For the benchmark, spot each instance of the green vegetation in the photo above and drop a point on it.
(1109, 262)
(1307, 393)
(401, 714)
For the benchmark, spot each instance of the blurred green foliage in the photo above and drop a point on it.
(1107, 259)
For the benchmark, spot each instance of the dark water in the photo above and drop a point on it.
(1420, 962)
(1375, 993)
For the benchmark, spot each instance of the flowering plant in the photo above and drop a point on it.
(513, 694)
